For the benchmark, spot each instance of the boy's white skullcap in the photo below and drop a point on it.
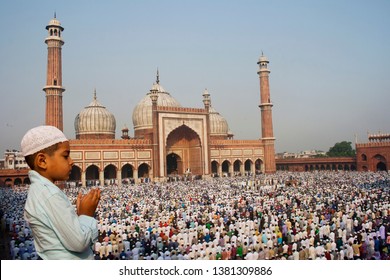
(41, 137)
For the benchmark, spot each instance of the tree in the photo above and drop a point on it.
(341, 149)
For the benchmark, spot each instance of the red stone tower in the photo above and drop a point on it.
(53, 88)
(267, 134)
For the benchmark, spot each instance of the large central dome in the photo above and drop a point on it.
(142, 113)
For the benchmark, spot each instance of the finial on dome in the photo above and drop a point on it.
(94, 94)
(55, 14)
(158, 77)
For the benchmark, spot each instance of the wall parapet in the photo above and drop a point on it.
(224, 142)
(181, 109)
(319, 160)
(373, 144)
(133, 141)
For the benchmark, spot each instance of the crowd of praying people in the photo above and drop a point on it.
(321, 215)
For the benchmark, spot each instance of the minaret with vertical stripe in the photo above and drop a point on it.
(267, 134)
(53, 88)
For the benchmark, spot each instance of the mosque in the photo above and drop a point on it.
(170, 141)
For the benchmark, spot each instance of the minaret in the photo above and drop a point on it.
(267, 134)
(156, 160)
(53, 88)
(207, 104)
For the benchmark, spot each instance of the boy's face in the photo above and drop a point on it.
(59, 164)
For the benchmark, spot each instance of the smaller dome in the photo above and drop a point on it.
(55, 22)
(263, 58)
(95, 122)
(218, 124)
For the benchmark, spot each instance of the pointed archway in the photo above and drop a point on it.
(174, 164)
(17, 181)
(237, 167)
(380, 162)
(127, 171)
(127, 174)
(381, 166)
(143, 171)
(110, 174)
(75, 174)
(226, 168)
(184, 143)
(248, 166)
(259, 166)
(214, 167)
(92, 175)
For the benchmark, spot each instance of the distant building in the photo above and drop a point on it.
(304, 154)
(14, 160)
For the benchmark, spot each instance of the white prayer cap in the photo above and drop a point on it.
(41, 137)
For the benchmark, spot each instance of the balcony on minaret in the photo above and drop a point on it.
(56, 87)
(54, 29)
(263, 64)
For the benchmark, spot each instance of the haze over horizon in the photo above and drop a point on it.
(329, 64)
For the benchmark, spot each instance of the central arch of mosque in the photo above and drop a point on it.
(184, 152)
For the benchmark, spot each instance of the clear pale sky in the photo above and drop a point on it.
(329, 62)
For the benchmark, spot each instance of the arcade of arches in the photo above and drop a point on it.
(227, 168)
(321, 167)
(128, 174)
(109, 175)
(316, 164)
(14, 177)
(16, 181)
(369, 157)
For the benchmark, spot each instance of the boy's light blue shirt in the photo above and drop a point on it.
(59, 234)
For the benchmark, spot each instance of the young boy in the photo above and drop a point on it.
(59, 232)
